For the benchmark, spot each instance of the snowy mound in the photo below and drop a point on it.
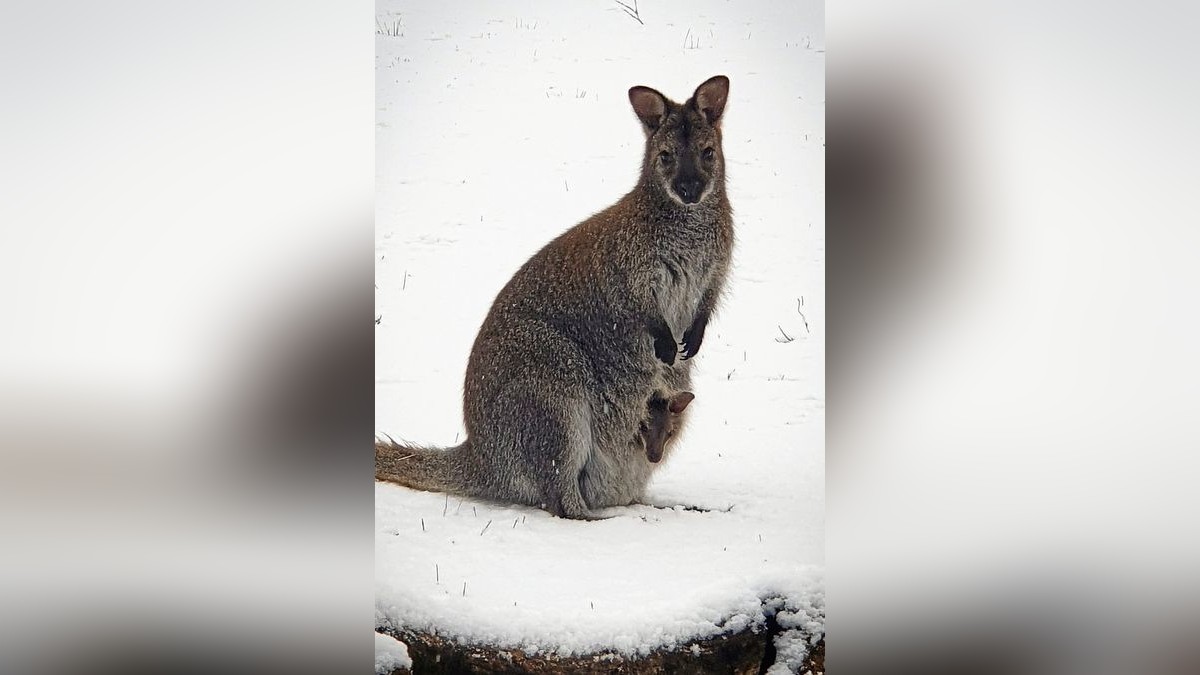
(390, 655)
(646, 578)
(497, 129)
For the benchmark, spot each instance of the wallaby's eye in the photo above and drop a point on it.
(665, 157)
(708, 154)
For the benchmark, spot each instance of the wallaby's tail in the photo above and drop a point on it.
(434, 470)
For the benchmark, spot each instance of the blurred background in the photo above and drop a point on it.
(1012, 367)
(185, 256)
(186, 374)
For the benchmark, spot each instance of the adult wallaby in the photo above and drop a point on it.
(586, 331)
(660, 426)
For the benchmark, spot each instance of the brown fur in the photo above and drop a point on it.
(658, 429)
(589, 328)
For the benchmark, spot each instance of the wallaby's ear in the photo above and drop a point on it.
(650, 106)
(680, 401)
(710, 97)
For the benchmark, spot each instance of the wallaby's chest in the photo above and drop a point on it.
(682, 276)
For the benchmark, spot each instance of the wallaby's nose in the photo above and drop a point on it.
(689, 190)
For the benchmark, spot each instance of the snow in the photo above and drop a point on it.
(390, 654)
(800, 629)
(498, 127)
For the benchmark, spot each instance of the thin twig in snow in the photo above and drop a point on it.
(632, 11)
(800, 303)
(485, 527)
(786, 338)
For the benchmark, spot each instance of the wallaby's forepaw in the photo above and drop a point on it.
(694, 335)
(691, 344)
(665, 349)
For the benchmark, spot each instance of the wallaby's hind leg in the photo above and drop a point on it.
(555, 439)
(575, 446)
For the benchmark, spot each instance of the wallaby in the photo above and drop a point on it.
(663, 421)
(578, 340)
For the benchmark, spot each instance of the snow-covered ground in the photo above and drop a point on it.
(390, 654)
(498, 127)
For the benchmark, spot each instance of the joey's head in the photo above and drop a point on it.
(683, 141)
(662, 423)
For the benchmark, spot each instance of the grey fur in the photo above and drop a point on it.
(587, 331)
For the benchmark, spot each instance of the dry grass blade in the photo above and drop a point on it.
(632, 11)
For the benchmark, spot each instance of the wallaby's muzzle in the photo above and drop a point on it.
(688, 191)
